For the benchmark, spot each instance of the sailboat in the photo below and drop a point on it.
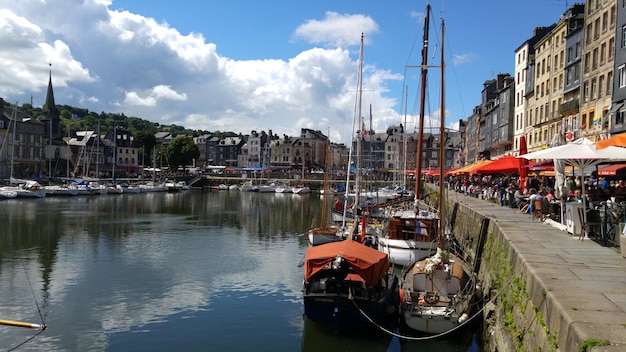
(410, 231)
(437, 292)
(324, 233)
(348, 284)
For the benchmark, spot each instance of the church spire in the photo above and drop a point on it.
(49, 108)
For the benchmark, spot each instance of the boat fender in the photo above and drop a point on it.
(463, 318)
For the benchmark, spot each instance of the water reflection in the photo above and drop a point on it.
(161, 271)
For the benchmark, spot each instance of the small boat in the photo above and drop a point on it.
(283, 187)
(171, 186)
(266, 188)
(437, 293)
(6, 193)
(183, 186)
(301, 189)
(25, 188)
(409, 235)
(347, 286)
(223, 187)
(60, 190)
(248, 186)
(324, 234)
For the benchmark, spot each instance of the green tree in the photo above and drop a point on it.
(181, 152)
(146, 143)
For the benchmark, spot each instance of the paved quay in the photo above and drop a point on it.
(581, 285)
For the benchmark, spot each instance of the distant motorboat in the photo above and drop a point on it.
(301, 189)
(26, 188)
(60, 190)
(6, 193)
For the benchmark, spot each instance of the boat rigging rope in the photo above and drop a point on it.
(433, 337)
(41, 327)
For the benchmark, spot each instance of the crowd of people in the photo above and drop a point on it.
(507, 191)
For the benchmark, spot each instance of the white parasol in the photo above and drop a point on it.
(581, 154)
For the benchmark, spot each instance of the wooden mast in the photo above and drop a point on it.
(420, 138)
(442, 113)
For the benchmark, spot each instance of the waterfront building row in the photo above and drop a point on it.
(569, 82)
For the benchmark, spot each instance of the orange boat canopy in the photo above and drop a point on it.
(369, 263)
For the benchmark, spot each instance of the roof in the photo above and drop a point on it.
(367, 262)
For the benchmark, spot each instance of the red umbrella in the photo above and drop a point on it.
(505, 165)
(523, 171)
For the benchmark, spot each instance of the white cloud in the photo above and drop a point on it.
(116, 61)
(463, 58)
(337, 30)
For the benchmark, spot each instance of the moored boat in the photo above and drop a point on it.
(409, 235)
(437, 293)
(347, 285)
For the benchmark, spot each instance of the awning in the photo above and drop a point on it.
(615, 107)
(618, 140)
(468, 169)
(612, 170)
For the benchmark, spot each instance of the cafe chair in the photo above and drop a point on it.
(585, 224)
(538, 210)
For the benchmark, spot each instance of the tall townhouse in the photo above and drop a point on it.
(22, 139)
(200, 141)
(543, 115)
(281, 151)
(498, 116)
(470, 149)
(574, 43)
(524, 60)
(257, 149)
(598, 55)
(617, 113)
(316, 142)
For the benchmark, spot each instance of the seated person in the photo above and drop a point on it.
(533, 195)
(550, 195)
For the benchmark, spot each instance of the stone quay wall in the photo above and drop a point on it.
(542, 288)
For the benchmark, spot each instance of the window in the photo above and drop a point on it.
(621, 76)
(600, 86)
(602, 53)
(594, 88)
(619, 117)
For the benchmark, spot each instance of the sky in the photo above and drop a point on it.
(279, 65)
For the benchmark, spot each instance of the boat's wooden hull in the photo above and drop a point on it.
(332, 304)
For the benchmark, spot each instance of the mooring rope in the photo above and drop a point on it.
(41, 327)
(436, 336)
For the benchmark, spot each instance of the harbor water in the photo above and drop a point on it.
(186, 271)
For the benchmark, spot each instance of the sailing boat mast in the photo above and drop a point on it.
(361, 127)
(13, 143)
(420, 138)
(442, 112)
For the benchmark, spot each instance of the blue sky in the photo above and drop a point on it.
(243, 65)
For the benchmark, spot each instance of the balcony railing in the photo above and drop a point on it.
(570, 105)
